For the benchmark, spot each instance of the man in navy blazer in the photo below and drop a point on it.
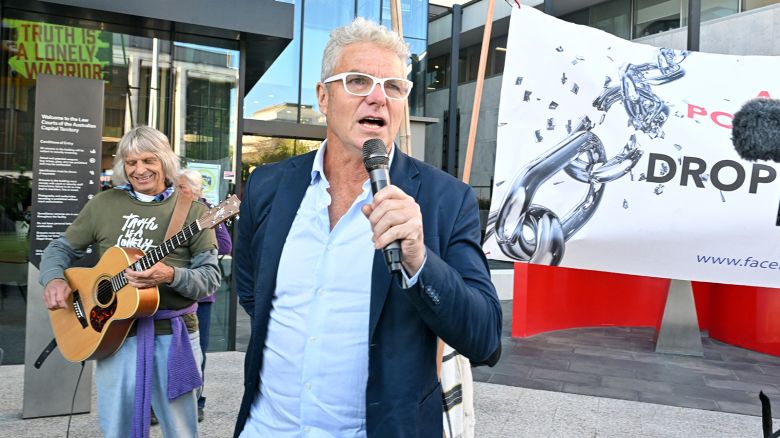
(338, 347)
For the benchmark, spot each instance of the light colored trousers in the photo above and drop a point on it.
(115, 383)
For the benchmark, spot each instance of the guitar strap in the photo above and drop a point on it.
(180, 211)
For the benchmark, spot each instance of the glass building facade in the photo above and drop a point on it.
(192, 98)
(200, 86)
(632, 19)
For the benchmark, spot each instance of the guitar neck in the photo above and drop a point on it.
(149, 259)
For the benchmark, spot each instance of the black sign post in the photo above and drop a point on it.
(66, 167)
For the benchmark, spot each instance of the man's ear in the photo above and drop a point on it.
(322, 98)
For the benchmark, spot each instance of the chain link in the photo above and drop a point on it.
(533, 233)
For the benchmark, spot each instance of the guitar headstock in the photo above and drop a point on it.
(220, 213)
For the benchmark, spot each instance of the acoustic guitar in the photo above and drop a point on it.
(102, 307)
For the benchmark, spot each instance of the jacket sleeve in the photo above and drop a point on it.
(224, 243)
(243, 256)
(200, 278)
(454, 294)
(58, 256)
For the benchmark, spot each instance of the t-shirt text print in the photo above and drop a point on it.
(133, 232)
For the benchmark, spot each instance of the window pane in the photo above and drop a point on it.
(321, 17)
(414, 17)
(258, 150)
(275, 95)
(613, 17)
(579, 17)
(712, 9)
(497, 55)
(417, 75)
(370, 9)
(755, 4)
(437, 73)
(653, 16)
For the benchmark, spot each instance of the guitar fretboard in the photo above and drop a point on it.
(149, 259)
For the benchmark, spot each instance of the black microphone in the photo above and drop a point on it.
(377, 162)
(756, 130)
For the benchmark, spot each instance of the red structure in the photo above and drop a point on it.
(548, 298)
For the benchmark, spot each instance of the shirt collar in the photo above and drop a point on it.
(318, 167)
(165, 194)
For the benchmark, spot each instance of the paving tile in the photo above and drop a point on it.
(678, 400)
(511, 368)
(601, 369)
(565, 376)
(742, 408)
(539, 361)
(523, 382)
(717, 394)
(765, 359)
(604, 352)
(742, 386)
(758, 378)
(481, 374)
(636, 384)
(671, 373)
(601, 391)
(770, 369)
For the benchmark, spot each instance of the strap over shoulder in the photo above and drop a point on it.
(183, 205)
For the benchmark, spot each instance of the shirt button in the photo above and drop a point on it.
(313, 339)
(320, 292)
(307, 429)
(308, 386)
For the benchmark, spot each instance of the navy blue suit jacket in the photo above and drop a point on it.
(453, 299)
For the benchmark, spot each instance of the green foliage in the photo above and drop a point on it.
(15, 192)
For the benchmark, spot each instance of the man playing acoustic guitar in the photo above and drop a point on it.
(136, 214)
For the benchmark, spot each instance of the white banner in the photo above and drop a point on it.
(616, 156)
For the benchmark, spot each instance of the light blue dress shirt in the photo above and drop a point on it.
(315, 360)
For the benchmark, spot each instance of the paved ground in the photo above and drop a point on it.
(620, 362)
(502, 412)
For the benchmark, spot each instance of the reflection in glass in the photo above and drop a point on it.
(370, 9)
(712, 9)
(258, 150)
(275, 95)
(436, 76)
(416, 69)
(653, 16)
(320, 18)
(613, 17)
(196, 106)
(755, 4)
(414, 17)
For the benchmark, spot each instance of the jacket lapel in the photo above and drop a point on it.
(289, 194)
(404, 175)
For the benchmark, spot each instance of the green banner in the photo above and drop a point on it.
(58, 50)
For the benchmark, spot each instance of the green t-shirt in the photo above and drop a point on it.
(113, 218)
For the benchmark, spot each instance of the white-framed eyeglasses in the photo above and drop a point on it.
(362, 84)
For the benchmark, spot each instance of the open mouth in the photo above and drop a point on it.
(372, 122)
(143, 179)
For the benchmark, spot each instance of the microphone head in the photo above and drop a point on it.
(375, 154)
(756, 130)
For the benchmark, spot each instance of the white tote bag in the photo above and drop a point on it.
(457, 395)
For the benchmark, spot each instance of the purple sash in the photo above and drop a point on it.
(183, 371)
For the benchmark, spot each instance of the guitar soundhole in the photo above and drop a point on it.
(105, 293)
(98, 316)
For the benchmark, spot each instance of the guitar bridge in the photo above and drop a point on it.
(78, 308)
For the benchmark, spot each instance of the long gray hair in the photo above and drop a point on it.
(360, 31)
(145, 139)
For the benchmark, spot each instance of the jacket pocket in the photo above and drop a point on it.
(429, 414)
